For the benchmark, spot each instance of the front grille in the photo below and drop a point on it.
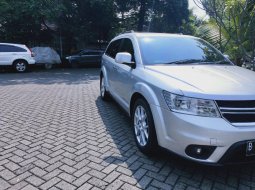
(238, 112)
(237, 154)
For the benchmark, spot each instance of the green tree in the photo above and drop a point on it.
(234, 20)
(21, 20)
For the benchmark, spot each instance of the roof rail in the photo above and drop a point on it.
(126, 32)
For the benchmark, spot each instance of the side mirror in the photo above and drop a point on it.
(124, 58)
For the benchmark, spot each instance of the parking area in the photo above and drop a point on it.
(56, 133)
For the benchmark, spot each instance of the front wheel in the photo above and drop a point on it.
(21, 66)
(143, 127)
(103, 92)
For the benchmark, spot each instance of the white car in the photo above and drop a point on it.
(183, 95)
(16, 55)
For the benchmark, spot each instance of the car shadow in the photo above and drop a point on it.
(50, 77)
(164, 168)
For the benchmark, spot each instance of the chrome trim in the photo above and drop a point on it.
(244, 124)
(237, 111)
(241, 113)
(224, 108)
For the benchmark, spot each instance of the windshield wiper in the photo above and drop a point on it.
(197, 62)
(185, 61)
(221, 62)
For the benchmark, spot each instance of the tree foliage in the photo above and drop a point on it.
(232, 24)
(76, 23)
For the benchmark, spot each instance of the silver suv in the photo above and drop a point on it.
(183, 95)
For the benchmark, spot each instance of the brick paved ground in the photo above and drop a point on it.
(56, 133)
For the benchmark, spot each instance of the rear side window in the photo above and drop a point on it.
(127, 46)
(113, 49)
(10, 48)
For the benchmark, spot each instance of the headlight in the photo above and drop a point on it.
(192, 106)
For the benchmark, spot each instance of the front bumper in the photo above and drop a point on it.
(237, 154)
(176, 132)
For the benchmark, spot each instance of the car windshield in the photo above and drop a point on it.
(160, 50)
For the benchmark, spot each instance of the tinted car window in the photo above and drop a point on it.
(1, 48)
(113, 48)
(127, 46)
(92, 53)
(174, 50)
(10, 48)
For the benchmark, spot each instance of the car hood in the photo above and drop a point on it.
(209, 81)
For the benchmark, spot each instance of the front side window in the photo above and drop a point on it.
(92, 53)
(127, 46)
(2, 48)
(179, 50)
(113, 48)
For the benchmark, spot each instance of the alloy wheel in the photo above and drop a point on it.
(21, 66)
(102, 89)
(141, 126)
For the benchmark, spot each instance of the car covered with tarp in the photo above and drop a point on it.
(46, 56)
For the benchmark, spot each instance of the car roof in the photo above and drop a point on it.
(11, 44)
(150, 34)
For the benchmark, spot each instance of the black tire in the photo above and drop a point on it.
(151, 146)
(74, 65)
(48, 66)
(20, 66)
(105, 95)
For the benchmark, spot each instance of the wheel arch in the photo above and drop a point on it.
(142, 90)
(16, 60)
(104, 73)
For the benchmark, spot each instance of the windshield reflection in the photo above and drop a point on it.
(160, 50)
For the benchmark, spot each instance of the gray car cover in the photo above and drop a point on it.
(46, 55)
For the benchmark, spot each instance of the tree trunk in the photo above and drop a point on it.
(141, 15)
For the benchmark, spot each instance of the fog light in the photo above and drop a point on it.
(200, 151)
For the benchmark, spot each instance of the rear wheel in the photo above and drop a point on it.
(143, 127)
(48, 66)
(20, 66)
(103, 92)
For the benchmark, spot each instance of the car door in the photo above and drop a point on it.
(90, 57)
(97, 56)
(85, 57)
(124, 80)
(109, 64)
(6, 55)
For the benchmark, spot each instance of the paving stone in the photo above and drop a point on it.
(56, 133)
(29, 187)
(35, 181)
(50, 183)
(65, 186)
(81, 180)
(85, 186)
(4, 185)
(67, 177)
(115, 185)
(7, 174)
(12, 166)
